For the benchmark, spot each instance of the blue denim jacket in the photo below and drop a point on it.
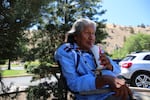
(81, 78)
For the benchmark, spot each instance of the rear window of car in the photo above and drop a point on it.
(147, 57)
(129, 58)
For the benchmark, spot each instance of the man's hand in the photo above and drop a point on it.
(117, 85)
(123, 92)
(105, 61)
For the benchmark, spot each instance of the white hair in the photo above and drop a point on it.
(80, 24)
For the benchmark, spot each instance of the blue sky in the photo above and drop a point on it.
(127, 12)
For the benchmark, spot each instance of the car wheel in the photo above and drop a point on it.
(141, 79)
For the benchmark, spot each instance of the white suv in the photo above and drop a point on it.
(135, 68)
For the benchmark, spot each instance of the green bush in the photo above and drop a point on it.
(41, 91)
(2, 62)
(30, 66)
(136, 42)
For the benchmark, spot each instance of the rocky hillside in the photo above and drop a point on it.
(118, 34)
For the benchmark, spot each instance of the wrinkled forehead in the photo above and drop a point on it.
(89, 27)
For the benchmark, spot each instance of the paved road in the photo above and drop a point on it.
(23, 82)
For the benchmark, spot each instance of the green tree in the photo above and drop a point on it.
(15, 17)
(136, 42)
(58, 18)
(69, 10)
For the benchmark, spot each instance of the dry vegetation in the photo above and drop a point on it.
(118, 35)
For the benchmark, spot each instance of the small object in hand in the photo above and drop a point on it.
(96, 50)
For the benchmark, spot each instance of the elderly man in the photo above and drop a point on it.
(78, 65)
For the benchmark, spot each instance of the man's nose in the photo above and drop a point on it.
(91, 36)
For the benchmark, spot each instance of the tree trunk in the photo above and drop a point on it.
(9, 64)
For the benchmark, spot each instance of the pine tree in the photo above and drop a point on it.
(15, 17)
(58, 18)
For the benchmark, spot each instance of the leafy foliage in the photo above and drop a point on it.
(43, 44)
(57, 20)
(53, 18)
(48, 87)
(40, 70)
(136, 42)
(41, 92)
(15, 16)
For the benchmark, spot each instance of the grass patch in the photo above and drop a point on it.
(9, 73)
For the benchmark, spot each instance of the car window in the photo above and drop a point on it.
(147, 57)
(129, 58)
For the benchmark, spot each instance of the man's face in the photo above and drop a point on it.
(86, 38)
